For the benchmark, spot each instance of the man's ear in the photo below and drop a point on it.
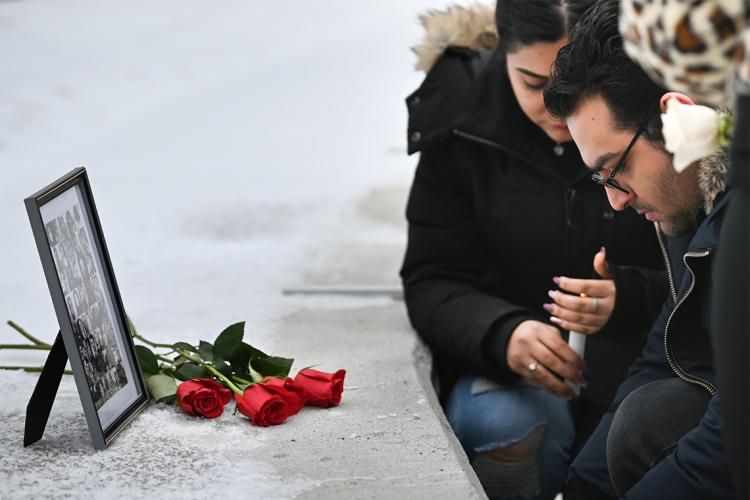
(682, 98)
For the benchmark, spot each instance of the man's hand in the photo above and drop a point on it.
(536, 345)
(587, 306)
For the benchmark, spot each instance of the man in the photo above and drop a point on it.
(661, 436)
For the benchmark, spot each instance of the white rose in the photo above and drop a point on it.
(690, 132)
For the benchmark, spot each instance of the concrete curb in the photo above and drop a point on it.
(387, 439)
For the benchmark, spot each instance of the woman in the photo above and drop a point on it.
(501, 212)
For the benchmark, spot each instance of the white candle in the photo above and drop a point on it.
(577, 342)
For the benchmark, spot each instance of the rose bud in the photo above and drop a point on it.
(204, 397)
(322, 389)
(292, 393)
(262, 407)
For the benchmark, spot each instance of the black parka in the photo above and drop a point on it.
(492, 220)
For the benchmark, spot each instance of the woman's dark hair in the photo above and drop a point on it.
(523, 22)
(594, 63)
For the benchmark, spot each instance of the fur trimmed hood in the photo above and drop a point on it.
(712, 176)
(471, 27)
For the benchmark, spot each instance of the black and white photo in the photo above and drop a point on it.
(92, 323)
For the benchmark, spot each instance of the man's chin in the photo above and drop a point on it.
(676, 228)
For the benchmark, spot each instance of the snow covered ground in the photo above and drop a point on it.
(233, 147)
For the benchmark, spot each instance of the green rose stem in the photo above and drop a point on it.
(224, 379)
(152, 344)
(143, 339)
(39, 345)
(136, 335)
(26, 346)
(208, 366)
(30, 369)
(241, 380)
(26, 334)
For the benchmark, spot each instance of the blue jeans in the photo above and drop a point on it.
(518, 437)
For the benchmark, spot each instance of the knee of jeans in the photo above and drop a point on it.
(632, 443)
(487, 420)
(510, 468)
(626, 431)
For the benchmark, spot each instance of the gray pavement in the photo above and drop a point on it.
(387, 439)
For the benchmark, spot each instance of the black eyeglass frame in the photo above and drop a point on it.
(610, 181)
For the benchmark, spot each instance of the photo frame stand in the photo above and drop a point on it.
(40, 403)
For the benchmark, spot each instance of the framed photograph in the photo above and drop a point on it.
(93, 324)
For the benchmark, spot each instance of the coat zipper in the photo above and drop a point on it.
(667, 348)
(667, 262)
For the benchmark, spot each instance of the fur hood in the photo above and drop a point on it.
(470, 27)
(712, 176)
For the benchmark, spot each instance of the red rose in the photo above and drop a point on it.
(322, 389)
(261, 406)
(202, 396)
(293, 394)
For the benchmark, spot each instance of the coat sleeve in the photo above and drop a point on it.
(640, 293)
(442, 272)
(697, 469)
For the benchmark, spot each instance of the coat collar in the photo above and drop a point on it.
(706, 237)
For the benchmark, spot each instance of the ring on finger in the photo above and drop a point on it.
(595, 302)
(533, 366)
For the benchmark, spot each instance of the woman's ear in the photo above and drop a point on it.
(682, 98)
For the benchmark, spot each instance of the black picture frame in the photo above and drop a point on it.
(93, 325)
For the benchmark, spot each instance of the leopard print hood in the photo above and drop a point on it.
(471, 27)
(699, 47)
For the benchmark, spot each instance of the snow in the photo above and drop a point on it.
(227, 147)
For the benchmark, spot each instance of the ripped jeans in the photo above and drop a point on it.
(518, 437)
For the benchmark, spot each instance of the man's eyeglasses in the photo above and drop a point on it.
(610, 181)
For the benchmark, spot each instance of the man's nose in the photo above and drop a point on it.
(618, 199)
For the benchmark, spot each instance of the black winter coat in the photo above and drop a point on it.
(492, 220)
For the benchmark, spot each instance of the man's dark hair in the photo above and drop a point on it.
(594, 63)
(523, 22)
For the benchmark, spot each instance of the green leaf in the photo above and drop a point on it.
(185, 347)
(229, 340)
(179, 360)
(272, 366)
(189, 370)
(242, 356)
(147, 360)
(163, 388)
(223, 367)
(254, 375)
(311, 366)
(206, 350)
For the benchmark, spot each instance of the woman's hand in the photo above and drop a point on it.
(536, 351)
(588, 304)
